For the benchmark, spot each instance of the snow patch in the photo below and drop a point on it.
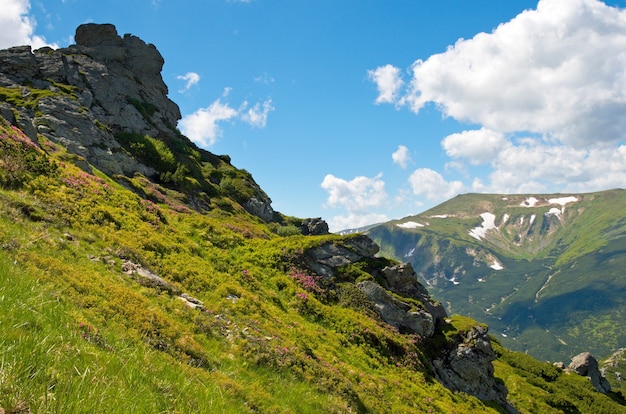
(505, 218)
(410, 253)
(410, 225)
(440, 216)
(532, 219)
(496, 265)
(563, 200)
(529, 202)
(557, 212)
(488, 224)
(521, 220)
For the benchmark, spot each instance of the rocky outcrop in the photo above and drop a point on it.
(81, 95)
(325, 258)
(586, 365)
(405, 317)
(260, 205)
(314, 227)
(97, 99)
(466, 366)
(402, 279)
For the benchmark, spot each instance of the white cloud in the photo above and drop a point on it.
(388, 82)
(190, 78)
(557, 71)
(257, 115)
(430, 184)
(401, 156)
(534, 166)
(202, 126)
(477, 146)
(354, 221)
(18, 27)
(357, 195)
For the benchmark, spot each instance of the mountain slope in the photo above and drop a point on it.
(544, 271)
(139, 273)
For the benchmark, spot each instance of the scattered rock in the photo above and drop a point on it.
(192, 302)
(586, 365)
(146, 278)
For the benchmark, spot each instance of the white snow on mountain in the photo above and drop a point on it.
(488, 224)
(410, 225)
(563, 200)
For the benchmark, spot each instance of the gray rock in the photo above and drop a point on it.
(314, 227)
(329, 256)
(586, 365)
(260, 207)
(467, 367)
(146, 278)
(402, 279)
(396, 312)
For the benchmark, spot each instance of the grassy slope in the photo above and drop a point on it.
(79, 335)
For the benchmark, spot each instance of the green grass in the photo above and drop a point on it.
(80, 335)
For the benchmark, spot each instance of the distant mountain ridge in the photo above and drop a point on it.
(544, 271)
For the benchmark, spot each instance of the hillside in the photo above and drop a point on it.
(140, 273)
(544, 271)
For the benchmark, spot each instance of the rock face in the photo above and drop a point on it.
(102, 85)
(396, 312)
(467, 367)
(401, 301)
(586, 365)
(87, 95)
(324, 258)
(402, 279)
(314, 227)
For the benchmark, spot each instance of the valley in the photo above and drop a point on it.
(544, 271)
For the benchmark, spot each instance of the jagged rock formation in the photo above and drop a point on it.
(314, 227)
(396, 312)
(586, 365)
(465, 365)
(88, 94)
(328, 256)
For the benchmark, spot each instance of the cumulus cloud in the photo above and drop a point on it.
(356, 195)
(556, 71)
(401, 156)
(190, 78)
(477, 146)
(202, 126)
(533, 166)
(354, 221)
(257, 115)
(388, 82)
(430, 184)
(547, 90)
(18, 27)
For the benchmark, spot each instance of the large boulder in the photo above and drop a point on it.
(402, 279)
(397, 313)
(324, 259)
(467, 366)
(586, 365)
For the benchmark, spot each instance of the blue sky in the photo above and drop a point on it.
(361, 111)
